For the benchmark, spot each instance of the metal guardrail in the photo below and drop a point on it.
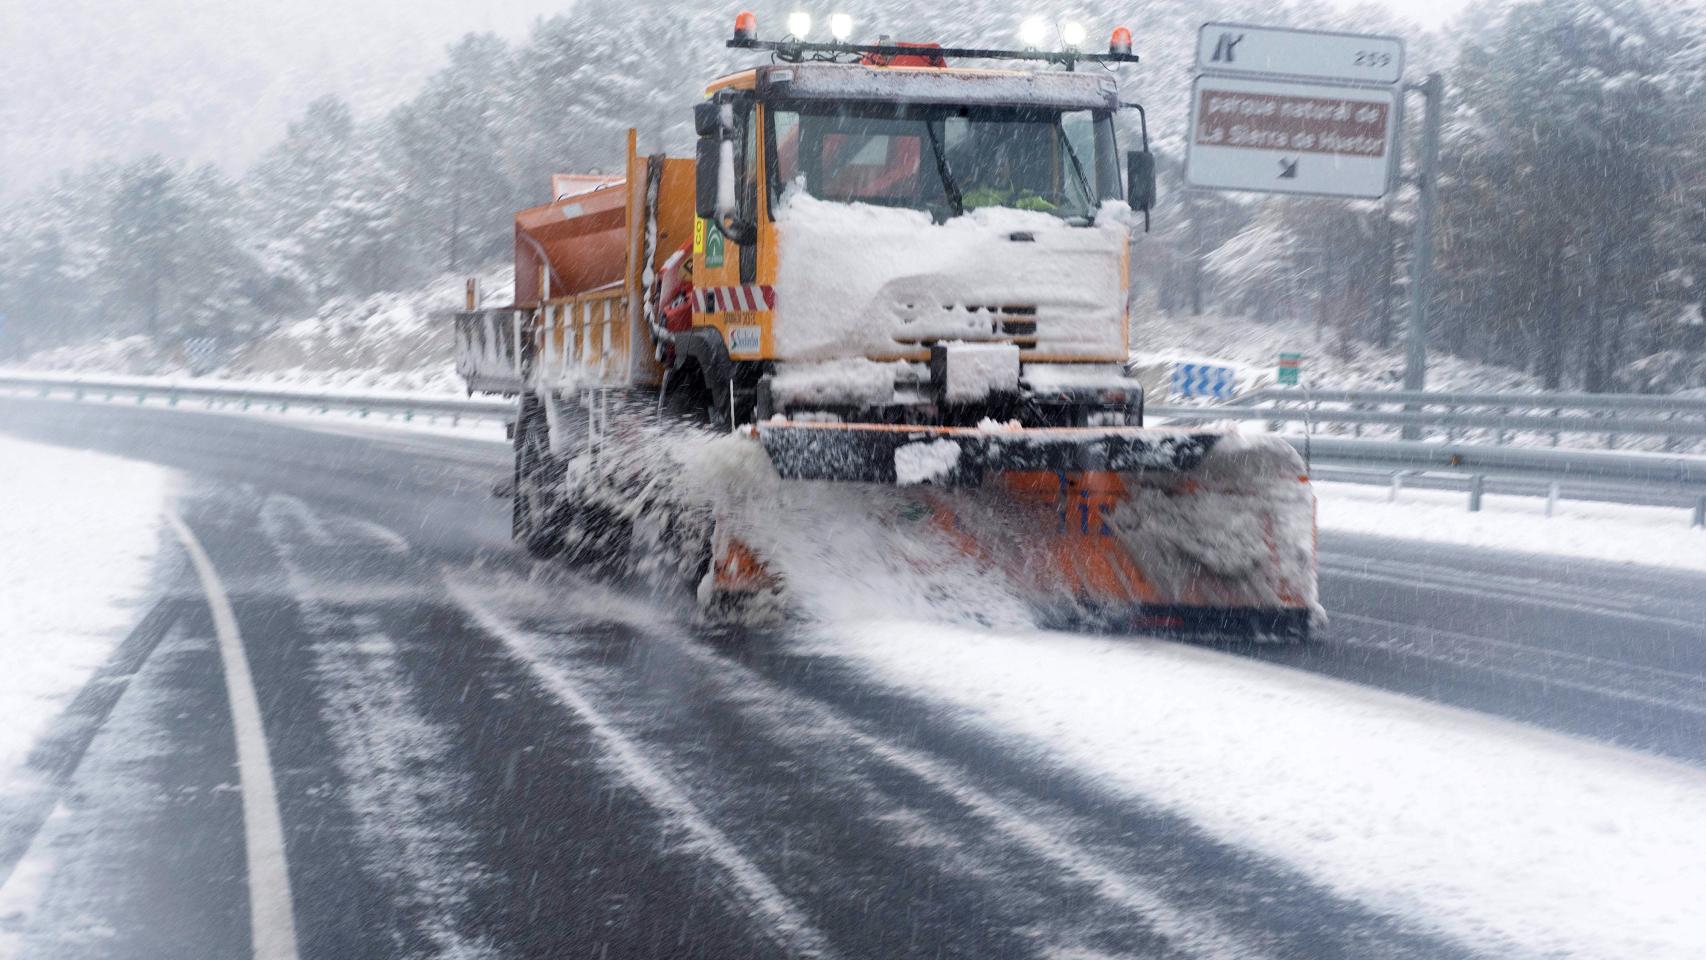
(1638, 478)
(1644, 421)
(1593, 475)
(1509, 400)
(245, 396)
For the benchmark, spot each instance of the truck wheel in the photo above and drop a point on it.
(537, 506)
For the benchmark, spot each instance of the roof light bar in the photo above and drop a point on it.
(794, 50)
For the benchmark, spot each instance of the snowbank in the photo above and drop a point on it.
(860, 280)
(81, 531)
(1158, 340)
(1606, 532)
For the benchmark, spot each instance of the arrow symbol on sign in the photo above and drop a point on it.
(1288, 168)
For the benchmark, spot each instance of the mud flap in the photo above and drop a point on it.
(739, 586)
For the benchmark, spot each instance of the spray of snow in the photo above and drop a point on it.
(1243, 536)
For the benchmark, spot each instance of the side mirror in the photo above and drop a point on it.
(707, 119)
(705, 162)
(709, 186)
(1140, 180)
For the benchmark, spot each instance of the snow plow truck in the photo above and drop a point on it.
(881, 268)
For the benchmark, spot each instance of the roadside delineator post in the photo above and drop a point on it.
(1476, 485)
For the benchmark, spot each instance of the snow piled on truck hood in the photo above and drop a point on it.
(860, 280)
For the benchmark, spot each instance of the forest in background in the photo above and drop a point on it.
(1572, 231)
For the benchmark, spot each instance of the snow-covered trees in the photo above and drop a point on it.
(1564, 145)
(1572, 231)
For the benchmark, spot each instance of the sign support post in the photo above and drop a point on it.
(1422, 258)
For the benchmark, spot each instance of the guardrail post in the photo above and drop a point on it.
(77, 394)
(1551, 497)
(1556, 412)
(1397, 484)
(1477, 483)
(1499, 437)
(1699, 512)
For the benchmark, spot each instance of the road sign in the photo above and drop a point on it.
(1290, 367)
(1204, 380)
(1281, 136)
(1232, 48)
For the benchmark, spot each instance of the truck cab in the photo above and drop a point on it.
(882, 213)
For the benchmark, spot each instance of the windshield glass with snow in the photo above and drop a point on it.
(946, 161)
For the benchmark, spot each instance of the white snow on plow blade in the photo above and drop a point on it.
(1515, 840)
(924, 461)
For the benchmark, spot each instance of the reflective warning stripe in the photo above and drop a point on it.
(750, 296)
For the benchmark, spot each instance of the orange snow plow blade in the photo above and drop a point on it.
(1120, 528)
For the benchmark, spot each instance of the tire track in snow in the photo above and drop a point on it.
(784, 919)
(384, 742)
(1191, 931)
(1574, 671)
(1492, 587)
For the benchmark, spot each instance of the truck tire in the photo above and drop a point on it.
(537, 507)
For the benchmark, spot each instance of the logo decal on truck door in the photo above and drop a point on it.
(745, 339)
(713, 246)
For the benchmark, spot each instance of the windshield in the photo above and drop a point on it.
(945, 160)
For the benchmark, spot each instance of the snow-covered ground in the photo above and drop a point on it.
(397, 340)
(1605, 532)
(1517, 841)
(1329, 361)
(81, 532)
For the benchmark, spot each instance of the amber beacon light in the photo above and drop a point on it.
(1120, 43)
(746, 26)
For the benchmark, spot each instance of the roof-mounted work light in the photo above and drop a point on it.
(799, 24)
(1033, 32)
(1072, 34)
(840, 26)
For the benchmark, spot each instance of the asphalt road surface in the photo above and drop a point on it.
(465, 769)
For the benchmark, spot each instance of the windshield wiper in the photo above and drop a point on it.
(1078, 172)
(949, 186)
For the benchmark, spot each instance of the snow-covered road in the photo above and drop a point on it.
(1486, 754)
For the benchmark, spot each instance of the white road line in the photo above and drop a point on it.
(272, 919)
(1512, 596)
(786, 920)
(1515, 673)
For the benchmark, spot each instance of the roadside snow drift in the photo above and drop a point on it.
(80, 533)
